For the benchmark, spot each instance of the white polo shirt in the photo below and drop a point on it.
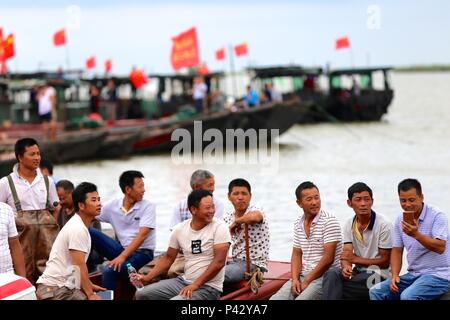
(7, 230)
(32, 196)
(126, 226)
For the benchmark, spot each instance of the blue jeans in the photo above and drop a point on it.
(410, 287)
(111, 249)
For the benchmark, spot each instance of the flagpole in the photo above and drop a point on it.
(232, 70)
(67, 54)
(352, 63)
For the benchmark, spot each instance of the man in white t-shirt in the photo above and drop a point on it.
(11, 255)
(199, 94)
(200, 179)
(204, 242)
(47, 110)
(66, 275)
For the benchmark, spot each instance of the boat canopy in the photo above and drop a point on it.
(283, 71)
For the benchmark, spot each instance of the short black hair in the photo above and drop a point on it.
(66, 185)
(196, 196)
(239, 182)
(22, 144)
(127, 179)
(302, 186)
(80, 192)
(409, 184)
(45, 163)
(358, 187)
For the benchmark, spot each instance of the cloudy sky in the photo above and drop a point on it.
(139, 32)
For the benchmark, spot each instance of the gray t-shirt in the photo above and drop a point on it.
(376, 236)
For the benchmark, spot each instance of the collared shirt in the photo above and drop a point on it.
(259, 239)
(432, 223)
(324, 228)
(376, 236)
(182, 213)
(32, 196)
(7, 230)
(126, 226)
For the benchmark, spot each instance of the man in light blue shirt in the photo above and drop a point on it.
(133, 219)
(423, 230)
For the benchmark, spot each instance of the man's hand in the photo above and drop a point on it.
(97, 288)
(347, 272)
(305, 284)
(117, 263)
(235, 228)
(410, 229)
(188, 290)
(393, 285)
(296, 287)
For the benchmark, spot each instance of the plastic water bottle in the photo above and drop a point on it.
(137, 283)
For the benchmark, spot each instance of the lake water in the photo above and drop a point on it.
(410, 141)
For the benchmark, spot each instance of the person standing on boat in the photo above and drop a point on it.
(199, 92)
(317, 247)
(66, 275)
(11, 255)
(251, 99)
(133, 219)
(239, 194)
(425, 238)
(33, 198)
(47, 110)
(204, 242)
(367, 245)
(200, 179)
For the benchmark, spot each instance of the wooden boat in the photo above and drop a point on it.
(362, 101)
(277, 275)
(118, 143)
(7, 161)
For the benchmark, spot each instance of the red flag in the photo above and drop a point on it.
(8, 47)
(90, 63)
(108, 65)
(203, 69)
(185, 51)
(59, 38)
(342, 43)
(220, 54)
(2, 54)
(138, 78)
(241, 49)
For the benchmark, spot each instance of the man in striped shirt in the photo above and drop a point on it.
(425, 238)
(317, 247)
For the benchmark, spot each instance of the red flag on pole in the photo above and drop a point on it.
(90, 63)
(342, 43)
(241, 49)
(2, 54)
(220, 54)
(59, 38)
(108, 65)
(8, 47)
(185, 53)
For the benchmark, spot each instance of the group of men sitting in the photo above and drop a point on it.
(361, 261)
